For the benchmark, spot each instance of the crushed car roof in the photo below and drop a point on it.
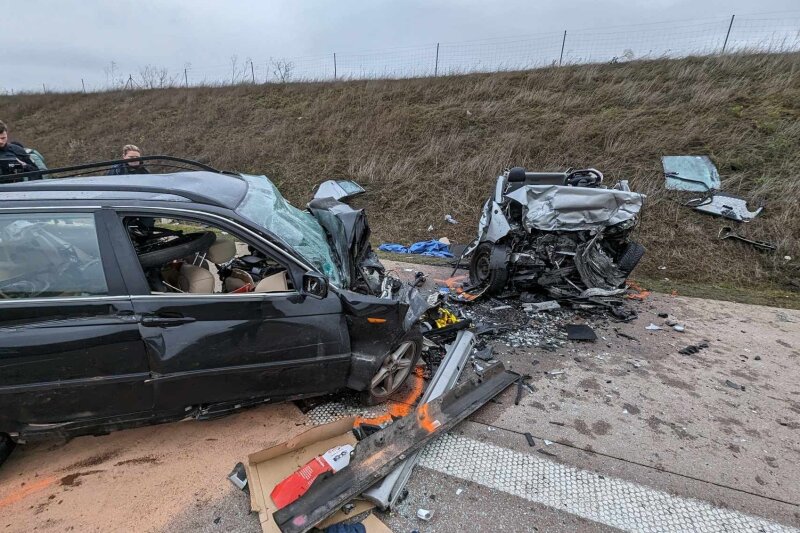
(223, 190)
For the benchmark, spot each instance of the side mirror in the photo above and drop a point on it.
(315, 285)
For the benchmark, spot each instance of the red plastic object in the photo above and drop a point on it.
(294, 486)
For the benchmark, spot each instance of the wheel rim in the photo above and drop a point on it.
(482, 267)
(394, 370)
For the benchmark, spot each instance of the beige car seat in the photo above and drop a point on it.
(274, 283)
(195, 280)
(222, 251)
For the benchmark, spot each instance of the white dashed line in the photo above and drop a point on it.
(614, 502)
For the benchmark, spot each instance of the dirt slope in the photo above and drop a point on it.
(429, 147)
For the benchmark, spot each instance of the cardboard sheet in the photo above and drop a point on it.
(267, 468)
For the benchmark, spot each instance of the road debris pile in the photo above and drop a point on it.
(315, 480)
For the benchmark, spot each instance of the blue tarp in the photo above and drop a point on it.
(428, 248)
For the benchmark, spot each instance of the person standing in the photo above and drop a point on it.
(13, 157)
(129, 151)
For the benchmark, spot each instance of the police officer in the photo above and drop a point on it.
(13, 157)
(129, 151)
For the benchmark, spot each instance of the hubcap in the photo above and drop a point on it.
(394, 370)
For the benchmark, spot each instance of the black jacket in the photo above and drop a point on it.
(122, 169)
(10, 153)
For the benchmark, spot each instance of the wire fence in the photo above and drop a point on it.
(767, 32)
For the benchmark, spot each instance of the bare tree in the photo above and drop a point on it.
(281, 69)
(153, 77)
(238, 70)
(114, 79)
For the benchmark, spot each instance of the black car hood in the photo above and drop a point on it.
(349, 233)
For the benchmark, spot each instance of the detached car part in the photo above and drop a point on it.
(726, 232)
(378, 454)
(690, 173)
(725, 205)
(386, 493)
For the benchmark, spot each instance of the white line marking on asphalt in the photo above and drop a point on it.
(606, 500)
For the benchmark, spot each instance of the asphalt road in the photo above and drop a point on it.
(628, 433)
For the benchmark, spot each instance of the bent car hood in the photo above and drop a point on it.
(562, 208)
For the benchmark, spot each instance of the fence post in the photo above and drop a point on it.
(725, 44)
(253, 72)
(83, 85)
(334, 66)
(44, 90)
(563, 41)
(436, 68)
(186, 76)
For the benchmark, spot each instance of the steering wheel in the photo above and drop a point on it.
(166, 248)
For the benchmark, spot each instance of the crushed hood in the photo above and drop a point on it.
(563, 208)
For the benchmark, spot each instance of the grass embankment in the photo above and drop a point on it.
(425, 148)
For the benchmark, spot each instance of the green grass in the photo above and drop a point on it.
(424, 148)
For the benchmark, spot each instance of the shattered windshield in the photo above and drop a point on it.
(264, 205)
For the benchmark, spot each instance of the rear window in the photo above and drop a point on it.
(50, 255)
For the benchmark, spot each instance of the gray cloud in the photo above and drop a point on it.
(58, 43)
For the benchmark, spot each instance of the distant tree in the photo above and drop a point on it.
(281, 69)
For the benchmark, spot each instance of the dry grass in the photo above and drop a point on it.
(428, 147)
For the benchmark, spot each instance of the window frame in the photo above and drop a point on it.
(134, 273)
(115, 285)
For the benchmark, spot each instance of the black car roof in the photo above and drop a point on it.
(218, 189)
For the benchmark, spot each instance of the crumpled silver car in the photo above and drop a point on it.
(564, 232)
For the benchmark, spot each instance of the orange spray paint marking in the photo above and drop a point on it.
(27, 490)
(456, 284)
(426, 421)
(641, 293)
(398, 408)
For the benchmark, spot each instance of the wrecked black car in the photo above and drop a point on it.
(561, 232)
(131, 300)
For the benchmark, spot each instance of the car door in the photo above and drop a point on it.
(70, 348)
(222, 347)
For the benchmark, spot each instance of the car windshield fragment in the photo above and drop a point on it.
(690, 173)
(264, 205)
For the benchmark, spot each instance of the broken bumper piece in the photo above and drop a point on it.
(381, 452)
(385, 493)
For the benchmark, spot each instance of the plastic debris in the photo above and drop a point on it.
(653, 327)
(450, 219)
(424, 514)
(580, 332)
(537, 307)
(733, 385)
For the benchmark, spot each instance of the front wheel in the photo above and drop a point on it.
(481, 272)
(393, 372)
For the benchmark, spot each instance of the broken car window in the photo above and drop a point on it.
(264, 205)
(184, 256)
(50, 255)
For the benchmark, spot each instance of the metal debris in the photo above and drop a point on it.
(726, 232)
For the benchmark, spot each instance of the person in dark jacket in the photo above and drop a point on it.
(13, 157)
(129, 151)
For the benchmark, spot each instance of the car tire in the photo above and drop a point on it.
(630, 257)
(6, 447)
(378, 390)
(480, 271)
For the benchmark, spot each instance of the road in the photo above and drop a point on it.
(629, 434)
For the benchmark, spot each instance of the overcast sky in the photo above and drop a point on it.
(59, 42)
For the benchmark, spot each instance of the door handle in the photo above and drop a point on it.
(155, 321)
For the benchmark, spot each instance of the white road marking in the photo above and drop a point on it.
(606, 500)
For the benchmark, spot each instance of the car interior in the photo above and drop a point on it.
(187, 256)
